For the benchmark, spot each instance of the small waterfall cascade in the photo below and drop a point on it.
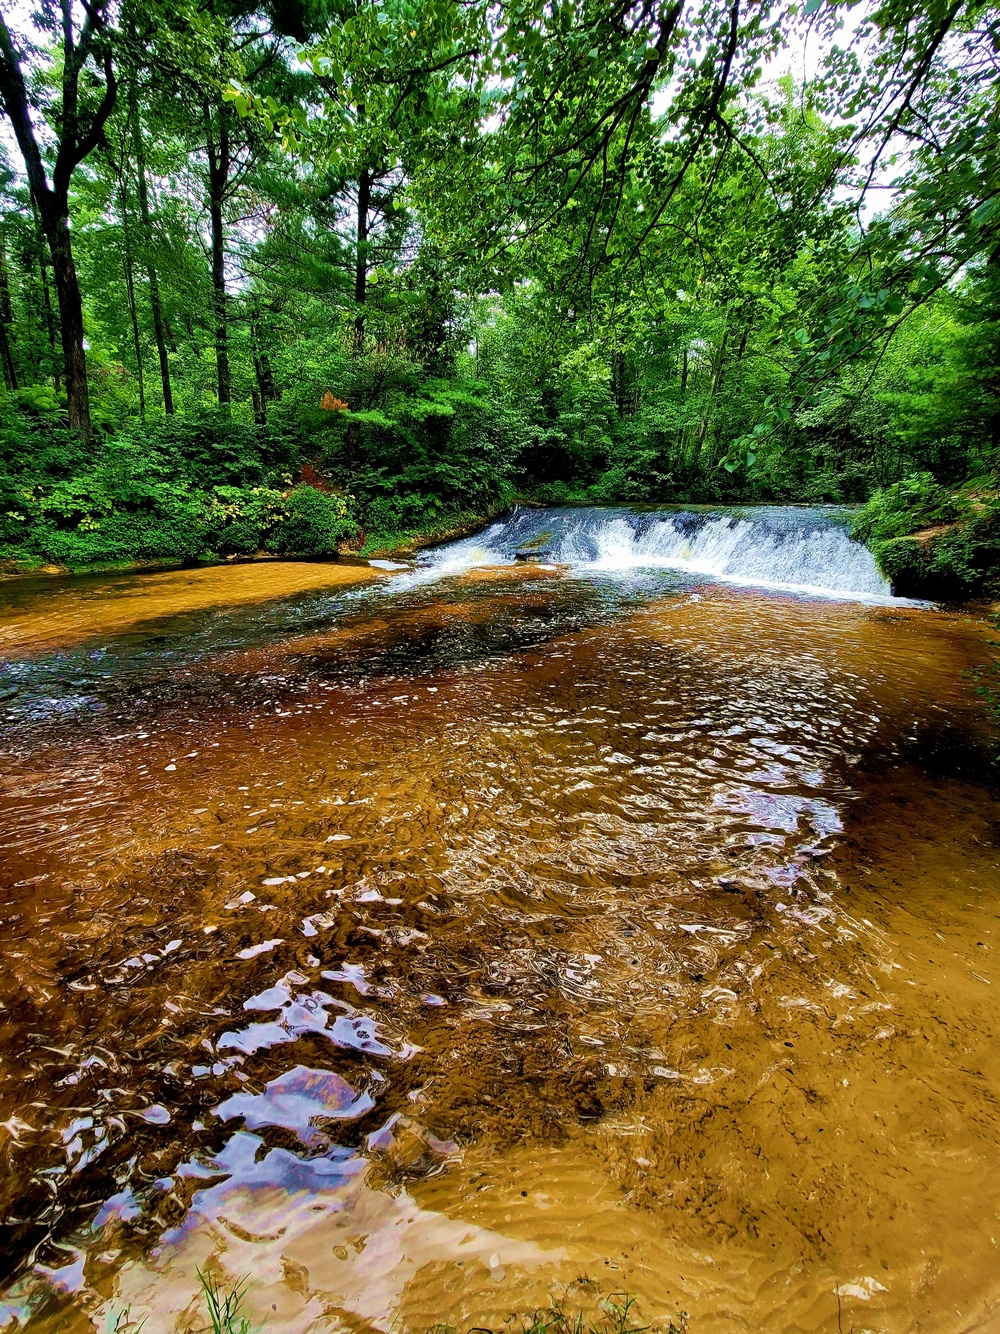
(800, 549)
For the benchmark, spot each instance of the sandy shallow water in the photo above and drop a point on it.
(426, 954)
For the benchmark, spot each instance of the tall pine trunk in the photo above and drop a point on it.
(78, 134)
(218, 181)
(153, 278)
(43, 270)
(265, 391)
(361, 258)
(129, 270)
(715, 383)
(352, 437)
(6, 320)
(70, 303)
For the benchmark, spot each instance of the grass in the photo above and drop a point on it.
(616, 1314)
(224, 1307)
(448, 527)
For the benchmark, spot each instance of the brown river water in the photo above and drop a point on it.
(426, 951)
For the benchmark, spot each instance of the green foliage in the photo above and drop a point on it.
(647, 286)
(932, 542)
(211, 448)
(903, 562)
(313, 524)
(915, 502)
(965, 560)
(144, 495)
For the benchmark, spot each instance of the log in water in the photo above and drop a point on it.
(420, 947)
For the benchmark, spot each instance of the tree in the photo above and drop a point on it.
(79, 117)
(153, 277)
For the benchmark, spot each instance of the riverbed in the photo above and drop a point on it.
(430, 944)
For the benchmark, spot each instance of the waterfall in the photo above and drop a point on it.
(801, 549)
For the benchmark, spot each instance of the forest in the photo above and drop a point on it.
(316, 274)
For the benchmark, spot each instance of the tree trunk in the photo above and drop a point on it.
(265, 376)
(265, 392)
(715, 384)
(43, 269)
(9, 373)
(76, 138)
(361, 258)
(6, 320)
(128, 268)
(218, 179)
(151, 274)
(626, 387)
(70, 302)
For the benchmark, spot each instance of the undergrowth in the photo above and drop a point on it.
(206, 486)
(443, 528)
(934, 542)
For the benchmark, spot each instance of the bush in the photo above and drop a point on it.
(966, 559)
(903, 561)
(210, 448)
(188, 488)
(149, 494)
(916, 502)
(313, 525)
(958, 558)
(238, 520)
(208, 485)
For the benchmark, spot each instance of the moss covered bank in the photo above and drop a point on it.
(932, 542)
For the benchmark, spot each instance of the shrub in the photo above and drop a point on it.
(210, 448)
(903, 561)
(916, 502)
(238, 520)
(313, 525)
(961, 559)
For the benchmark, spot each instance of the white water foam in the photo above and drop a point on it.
(822, 561)
(806, 551)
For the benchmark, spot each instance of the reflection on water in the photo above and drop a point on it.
(419, 948)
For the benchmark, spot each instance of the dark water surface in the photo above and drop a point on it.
(419, 948)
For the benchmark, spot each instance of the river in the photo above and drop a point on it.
(429, 943)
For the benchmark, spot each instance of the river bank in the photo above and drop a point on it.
(935, 542)
(383, 546)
